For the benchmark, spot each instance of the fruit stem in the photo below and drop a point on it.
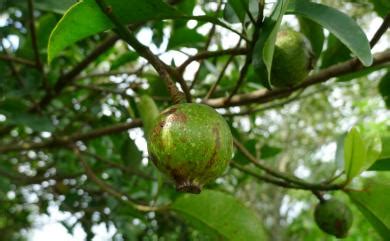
(188, 187)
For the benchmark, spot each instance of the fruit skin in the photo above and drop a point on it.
(192, 144)
(333, 217)
(293, 59)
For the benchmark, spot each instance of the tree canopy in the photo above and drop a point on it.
(82, 84)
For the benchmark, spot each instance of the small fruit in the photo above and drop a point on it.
(333, 217)
(293, 59)
(192, 144)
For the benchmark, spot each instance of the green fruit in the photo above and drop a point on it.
(292, 59)
(333, 217)
(192, 144)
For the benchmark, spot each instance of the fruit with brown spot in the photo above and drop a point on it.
(192, 144)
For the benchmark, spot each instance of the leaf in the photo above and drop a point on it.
(338, 23)
(239, 7)
(125, 58)
(339, 157)
(220, 214)
(264, 48)
(383, 162)
(57, 6)
(384, 89)
(374, 202)
(130, 153)
(354, 153)
(185, 37)
(85, 18)
(336, 52)
(314, 33)
(250, 145)
(148, 111)
(382, 7)
(268, 151)
(374, 149)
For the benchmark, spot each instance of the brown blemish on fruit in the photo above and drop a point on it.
(169, 111)
(217, 146)
(177, 117)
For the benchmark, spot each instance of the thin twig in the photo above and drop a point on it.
(290, 179)
(123, 197)
(61, 141)
(263, 96)
(381, 30)
(18, 60)
(145, 52)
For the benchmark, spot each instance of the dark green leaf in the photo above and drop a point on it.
(383, 162)
(221, 213)
(268, 151)
(130, 153)
(336, 52)
(57, 6)
(314, 33)
(148, 111)
(264, 48)
(339, 24)
(382, 7)
(384, 89)
(374, 201)
(185, 37)
(124, 59)
(240, 7)
(85, 18)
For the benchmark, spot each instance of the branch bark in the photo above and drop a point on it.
(66, 140)
(263, 95)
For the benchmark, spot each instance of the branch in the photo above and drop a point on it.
(123, 197)
(248, 60)
(66, 140)
(290, 179)
(209, 54)
(33, 34)
(18, 60)
(145, 52)
(263, 95)
(381, 30)
(67, 78)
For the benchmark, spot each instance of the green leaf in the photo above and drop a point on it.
(148, 111)
(264, 48)
(382, 7)
(185, 37)
(314, 33)
(384, 89)
(354, 153)
(57, 6)
(220, 214)
(383, 162)
(339, 156)
(239, 7)
(338, 23)
(268, 151)
(130, 153)
(374, 202)
(374, 149)
(85, 18)
(336, 52)
(250, 145)
(125, 58)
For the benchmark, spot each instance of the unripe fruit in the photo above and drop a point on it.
(333, 217)
(192, 144)
(293, 59)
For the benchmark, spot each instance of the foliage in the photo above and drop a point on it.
(81, 83)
